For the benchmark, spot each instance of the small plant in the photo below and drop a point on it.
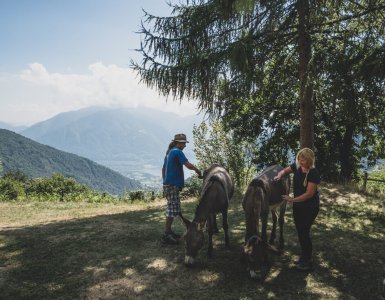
(136, 195)
(192, 188)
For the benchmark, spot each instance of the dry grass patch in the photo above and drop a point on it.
(112, 251)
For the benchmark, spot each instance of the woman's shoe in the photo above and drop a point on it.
(300, 259)
(303, 265)
(174, 235)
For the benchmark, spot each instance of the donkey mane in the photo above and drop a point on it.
(214, 178)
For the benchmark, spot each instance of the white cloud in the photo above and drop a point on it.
(36, 94)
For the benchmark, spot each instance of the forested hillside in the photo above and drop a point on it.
(37, 160)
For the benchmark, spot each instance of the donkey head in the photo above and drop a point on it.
(193, 240)
(255, 252)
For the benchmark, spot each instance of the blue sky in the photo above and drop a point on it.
(61, 55)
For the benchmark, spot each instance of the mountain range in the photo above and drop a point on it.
(37, 160)
(131, 141)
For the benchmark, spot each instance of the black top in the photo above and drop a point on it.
(299, 186)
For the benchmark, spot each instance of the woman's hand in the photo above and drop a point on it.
(287, 198)
(279, 175)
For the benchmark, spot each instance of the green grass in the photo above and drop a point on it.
(112, 251)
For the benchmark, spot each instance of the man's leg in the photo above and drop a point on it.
(168, 224)
(173, 204)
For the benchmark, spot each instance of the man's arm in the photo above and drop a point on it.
(192, 167)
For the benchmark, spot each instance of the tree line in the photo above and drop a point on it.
(213, 144)
(16, 186)
(280, 74)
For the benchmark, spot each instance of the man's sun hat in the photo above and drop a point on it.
(181, 138)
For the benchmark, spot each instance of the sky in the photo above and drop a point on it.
(63, 55)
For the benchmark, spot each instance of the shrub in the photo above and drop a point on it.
(11, 189)
(57, 186)
(136, 195)
(16, 175)
(192, 187)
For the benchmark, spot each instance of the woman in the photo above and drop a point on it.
(305, 202)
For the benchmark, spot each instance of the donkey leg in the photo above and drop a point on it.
(257, 214)
(215, 226)
(274, 218)
(251, 227)
(264, 216)
(210, 234)
(281, 222)
(265, 256)
(225, 226)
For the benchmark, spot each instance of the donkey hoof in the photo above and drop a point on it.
(255, 274)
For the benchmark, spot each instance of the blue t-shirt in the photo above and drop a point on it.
(173, 167)
(299, 187)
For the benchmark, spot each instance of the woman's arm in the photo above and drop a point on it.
(310, 191)
(282, 173)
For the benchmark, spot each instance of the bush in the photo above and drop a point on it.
(14, 185)
(136, 195)
(141, 195)
(57, 186)
(11, 189)
(16, 175)
(192, 187)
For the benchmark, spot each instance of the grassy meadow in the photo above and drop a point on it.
(56, 250)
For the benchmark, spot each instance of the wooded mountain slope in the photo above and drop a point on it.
(37, 160)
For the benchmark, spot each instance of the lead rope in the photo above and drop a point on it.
(305, 180)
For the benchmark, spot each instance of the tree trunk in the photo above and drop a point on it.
(306, 86)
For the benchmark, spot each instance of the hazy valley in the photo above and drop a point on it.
(131, 141)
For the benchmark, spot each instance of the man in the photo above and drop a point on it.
(173, 182)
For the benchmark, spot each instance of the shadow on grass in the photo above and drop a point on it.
(120, 257)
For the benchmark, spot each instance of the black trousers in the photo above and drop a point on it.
(304, 217)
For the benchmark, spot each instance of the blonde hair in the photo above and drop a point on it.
(308, 155)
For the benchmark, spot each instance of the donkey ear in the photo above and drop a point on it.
(260, 183)
(185, 221)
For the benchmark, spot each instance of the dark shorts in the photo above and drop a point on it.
(173, 201)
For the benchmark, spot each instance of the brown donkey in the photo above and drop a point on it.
(216, 193)
(263, 195)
